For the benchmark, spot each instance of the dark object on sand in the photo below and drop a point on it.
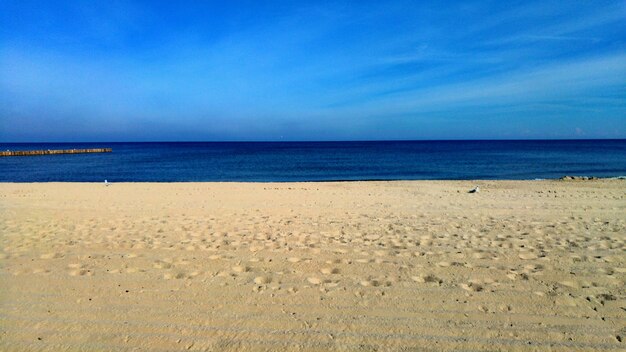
(578, 178)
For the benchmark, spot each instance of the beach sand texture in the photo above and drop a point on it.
(363, 266)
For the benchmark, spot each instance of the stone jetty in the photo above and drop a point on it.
(50, 152)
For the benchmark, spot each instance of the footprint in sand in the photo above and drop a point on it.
(78, 269)
(314, 280)
(505, 308)
(193, 274)
(484, 309)
(534, 267)
(429, 278)
(570, 284)
(81, 272)
(51, 256)
(527, 256)
(480, 255)
(256, 248)
(262, 280)
(180, 275)
(329, 271)
(373, 283)
(472, 287)
(240, 269)
(161, 265)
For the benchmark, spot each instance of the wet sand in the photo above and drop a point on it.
(363, 266)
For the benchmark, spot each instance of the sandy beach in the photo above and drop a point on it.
(363, 266)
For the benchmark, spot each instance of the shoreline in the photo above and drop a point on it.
(559, 179)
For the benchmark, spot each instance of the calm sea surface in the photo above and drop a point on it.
(318, 161)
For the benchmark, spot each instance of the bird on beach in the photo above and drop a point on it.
(474, 190)
(106, 183)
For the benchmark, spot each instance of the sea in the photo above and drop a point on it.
(318, 161)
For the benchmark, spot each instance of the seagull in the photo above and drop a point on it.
(474, 190)
(106, 183)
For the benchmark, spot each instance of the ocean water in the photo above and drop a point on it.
(318, 161)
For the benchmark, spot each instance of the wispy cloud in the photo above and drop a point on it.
(554, 81)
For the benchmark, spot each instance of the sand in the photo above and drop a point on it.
(363, 266)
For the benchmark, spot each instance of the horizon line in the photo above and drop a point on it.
(328, 141)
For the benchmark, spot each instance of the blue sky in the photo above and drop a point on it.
(256, 70)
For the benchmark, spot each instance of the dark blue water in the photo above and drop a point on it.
(318, 161)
